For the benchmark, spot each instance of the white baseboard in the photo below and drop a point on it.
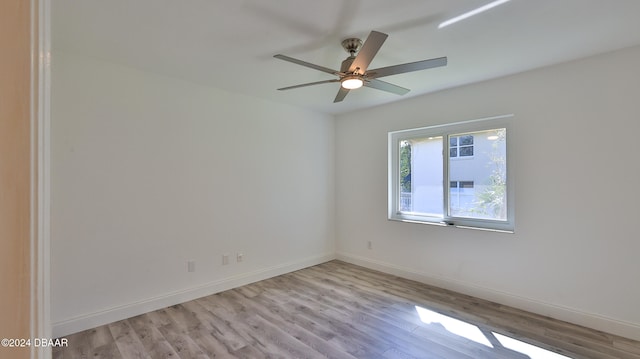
(92, 320)
(589, 320)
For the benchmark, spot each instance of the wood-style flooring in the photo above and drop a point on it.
(339, 310)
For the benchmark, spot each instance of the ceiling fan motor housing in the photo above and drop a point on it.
(352, 45)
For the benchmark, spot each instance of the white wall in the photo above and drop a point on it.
(149, 172)
(574, 254)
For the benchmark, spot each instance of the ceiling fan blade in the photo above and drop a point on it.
(408, 67)
(342, 93)
(385, 86)
(368, 52)
(308, 84)
(307, 64)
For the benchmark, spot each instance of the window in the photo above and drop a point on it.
(452, 175)
(461, 146)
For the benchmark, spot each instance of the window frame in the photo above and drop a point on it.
(447, 130)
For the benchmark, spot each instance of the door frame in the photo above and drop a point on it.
(40, 305)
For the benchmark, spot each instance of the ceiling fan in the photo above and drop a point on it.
(354, 71)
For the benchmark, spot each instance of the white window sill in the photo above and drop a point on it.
(452, 225)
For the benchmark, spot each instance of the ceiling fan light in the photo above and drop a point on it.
(352, 82)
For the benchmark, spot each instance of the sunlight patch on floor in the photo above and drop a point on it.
(473, 332)
(454, 326)
(532, 351)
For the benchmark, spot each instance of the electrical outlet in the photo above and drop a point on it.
(191, 266)
(225, 259)
(369, 245)
(240, 257)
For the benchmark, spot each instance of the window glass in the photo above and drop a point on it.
(487, 199)
(461, 146)
(461, 197)
(421, 164)
(466, 151)
(465, 140)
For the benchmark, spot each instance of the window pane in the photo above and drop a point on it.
(482, 193)
(466, 184)
(405, 176)
(425, 193)
(453, 152)
(466, 151)
(466, 140)
(453, 141)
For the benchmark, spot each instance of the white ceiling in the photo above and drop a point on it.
(230, 44)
